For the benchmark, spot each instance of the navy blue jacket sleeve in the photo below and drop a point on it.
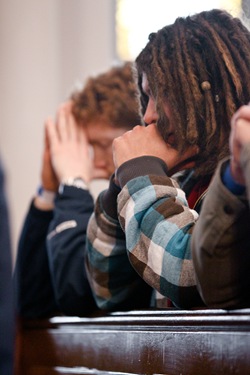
(34, 293)
(66, 251)
(7, 321)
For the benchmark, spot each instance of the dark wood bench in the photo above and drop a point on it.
(171, 342)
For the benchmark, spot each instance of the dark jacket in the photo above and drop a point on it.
(50, 276)
(6, 291)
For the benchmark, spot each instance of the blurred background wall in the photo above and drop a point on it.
(45, 47)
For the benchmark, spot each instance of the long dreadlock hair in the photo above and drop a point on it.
(200, 65)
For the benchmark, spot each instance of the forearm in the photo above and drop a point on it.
(33, 287)
(158, 223)
(114, 282)
(66, 249)
(220, 247)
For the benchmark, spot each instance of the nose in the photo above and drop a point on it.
(150, 115)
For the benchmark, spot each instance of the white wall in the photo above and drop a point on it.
(45, 47)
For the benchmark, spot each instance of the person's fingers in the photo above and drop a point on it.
(81, 135)
(66, 123)
(45, 136)
(51, 133)
(73, 128)
(242, 113)
(62, 124)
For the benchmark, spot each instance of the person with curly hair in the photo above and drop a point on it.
(192, 77)
(50, 276)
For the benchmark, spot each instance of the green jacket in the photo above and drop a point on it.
(221, 243)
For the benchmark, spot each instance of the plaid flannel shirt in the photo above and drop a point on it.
(151, 236)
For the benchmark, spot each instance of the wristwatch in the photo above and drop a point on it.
(77, 182)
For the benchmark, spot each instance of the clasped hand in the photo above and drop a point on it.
(66, 152)
(142, 141)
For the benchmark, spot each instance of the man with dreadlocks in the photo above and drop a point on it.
(49, 273)
(221, 240)
(192, 76)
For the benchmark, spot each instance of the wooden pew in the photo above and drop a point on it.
(170, 342)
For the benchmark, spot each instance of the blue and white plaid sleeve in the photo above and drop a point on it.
(154, 213)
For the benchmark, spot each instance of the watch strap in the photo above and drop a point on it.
(77, 182)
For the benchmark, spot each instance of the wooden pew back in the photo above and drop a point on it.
(170, 342)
